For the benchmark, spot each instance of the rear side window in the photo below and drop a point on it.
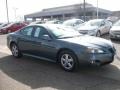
(27, 31)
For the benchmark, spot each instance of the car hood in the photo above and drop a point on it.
(89, 41)
(115, 28)
(87, 27)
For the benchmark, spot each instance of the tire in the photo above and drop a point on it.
(98, 34)
(68, 61)
(15, 51)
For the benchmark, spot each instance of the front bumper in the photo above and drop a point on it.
(101, 59)
(97, 59)
(114, 36)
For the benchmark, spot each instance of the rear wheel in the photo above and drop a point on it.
(15, 51)
(98, 34)
(68, 60)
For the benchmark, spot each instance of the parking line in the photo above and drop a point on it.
(4, 49)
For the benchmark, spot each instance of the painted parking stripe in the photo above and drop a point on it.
(4, 49)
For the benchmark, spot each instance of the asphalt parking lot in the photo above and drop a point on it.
(33, 74)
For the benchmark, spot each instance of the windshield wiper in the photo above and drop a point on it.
(66, 37)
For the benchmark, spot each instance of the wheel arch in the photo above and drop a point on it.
(12, 42)
(64, 49)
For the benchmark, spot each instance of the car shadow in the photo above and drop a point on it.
(38, 74)
(116, 41)
(106, 36)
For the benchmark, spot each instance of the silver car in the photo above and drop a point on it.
(73, 22)
(96, 27)
(115, 31)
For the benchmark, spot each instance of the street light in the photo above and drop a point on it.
(97, 10)
(7, 11)
(84, 12)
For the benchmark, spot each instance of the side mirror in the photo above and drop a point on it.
(46, 37)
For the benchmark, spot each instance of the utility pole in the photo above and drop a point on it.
(97, 10)
(84, 11)
(7, 11)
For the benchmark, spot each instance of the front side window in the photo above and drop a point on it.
(93, 23)
(40, 32)
(27, 31)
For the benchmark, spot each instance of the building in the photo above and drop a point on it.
(67, 12)
(116, 13)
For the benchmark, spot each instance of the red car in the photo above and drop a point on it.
(12, 27)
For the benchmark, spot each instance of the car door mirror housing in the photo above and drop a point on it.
(46, 37)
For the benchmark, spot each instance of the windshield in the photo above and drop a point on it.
(3, 25)
(73, 22)
(117, 23)
(69, 22)
(92, 23)
(63, 32)
(8, 25)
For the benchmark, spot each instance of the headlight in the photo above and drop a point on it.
(95, 50)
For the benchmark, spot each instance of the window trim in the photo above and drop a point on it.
(39, 37)
(27, 35)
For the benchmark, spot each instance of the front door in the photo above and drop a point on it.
(44, 47)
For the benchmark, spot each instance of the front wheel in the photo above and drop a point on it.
(68, 60)
(15, 51)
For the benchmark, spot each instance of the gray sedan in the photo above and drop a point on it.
(57, 43)
(96, 27)
(115, 31)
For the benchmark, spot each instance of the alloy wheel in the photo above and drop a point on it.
(14, 50)
(67, 61)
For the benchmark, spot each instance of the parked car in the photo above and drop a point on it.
(54, 22)
(3, 25)
(37, 22)
(96, 27)
(54, 43)
(115, 31)
(12, 27)
(73, 22)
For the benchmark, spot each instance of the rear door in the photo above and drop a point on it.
(102, 27)
(25, 41)
(107, 26)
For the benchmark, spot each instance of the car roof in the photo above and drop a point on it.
(45, 25)
(69, 20)
(96, 20)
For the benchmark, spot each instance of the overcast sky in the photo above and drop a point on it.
(30, 6)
